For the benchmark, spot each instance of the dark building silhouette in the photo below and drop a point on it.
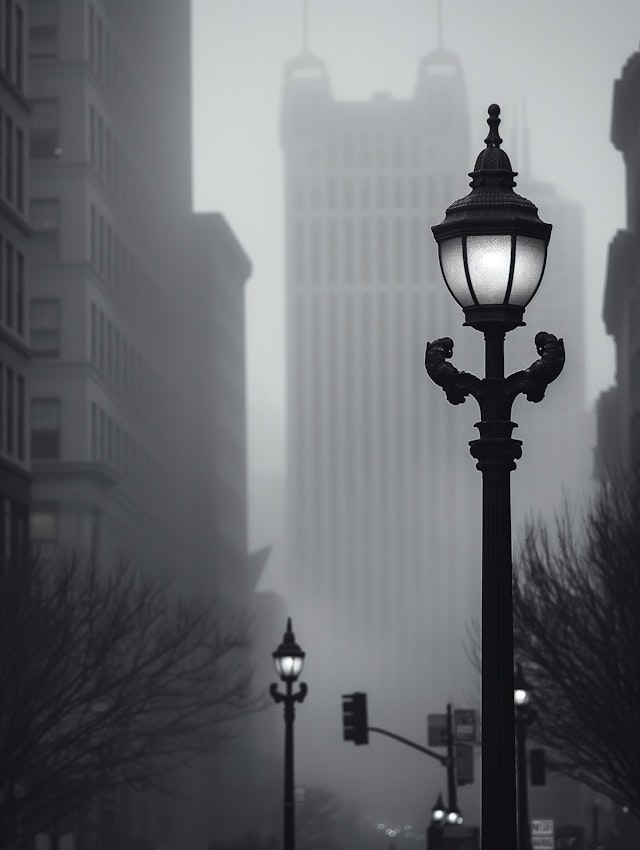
(14, 242)
(618, 408)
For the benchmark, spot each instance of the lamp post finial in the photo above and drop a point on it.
(493, 140)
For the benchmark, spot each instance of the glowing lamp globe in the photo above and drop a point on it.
(492, 245)
(288, 658)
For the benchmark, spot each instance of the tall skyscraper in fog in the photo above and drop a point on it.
(383, 556)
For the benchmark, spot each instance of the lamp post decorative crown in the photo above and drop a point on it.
(492, 244)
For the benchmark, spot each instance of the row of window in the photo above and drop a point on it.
(114, 446)
(44, 216)
(118, 360)
(12, 287)
(362, 252)
(369, 148)
(108, 157)
(43, 29)
(347, 193)
(103, 54)
(115, 263)
(44, 327)
(45, 428)
(44, 139)
(12, 162)
(13, 530)
(12, 420)
(12, 42)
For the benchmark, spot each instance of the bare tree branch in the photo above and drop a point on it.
(109, 679)
(577, 633)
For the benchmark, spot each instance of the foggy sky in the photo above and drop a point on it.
(547, 58)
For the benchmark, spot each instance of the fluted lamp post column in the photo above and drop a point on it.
(492, 248)
(288, 660)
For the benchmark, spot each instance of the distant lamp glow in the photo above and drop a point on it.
(521, 689)
(438, 812)
(454, 816)
(288, 658)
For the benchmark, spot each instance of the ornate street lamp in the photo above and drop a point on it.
(492, 248)
(525, 714)
(288, 659)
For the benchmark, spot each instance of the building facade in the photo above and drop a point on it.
(14, 245)
(137, 408)
(618, 407)
(136, 333)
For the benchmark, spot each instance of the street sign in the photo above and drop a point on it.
(542, 837)
(437, 730)
(464, 724)
(464, 764)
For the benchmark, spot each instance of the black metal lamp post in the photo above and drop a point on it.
(288, 660)
(525, 715)
(492, 248)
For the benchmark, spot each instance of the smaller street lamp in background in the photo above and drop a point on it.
(524, 716)
(288, 659)
(438, 812)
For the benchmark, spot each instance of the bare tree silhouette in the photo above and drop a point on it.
(108, 679)
(577, 633)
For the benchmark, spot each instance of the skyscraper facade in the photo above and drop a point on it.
(14, 241)
(383, 554)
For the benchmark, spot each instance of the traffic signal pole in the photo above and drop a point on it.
(442, 759)
(356, 728)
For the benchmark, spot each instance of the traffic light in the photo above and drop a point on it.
(538, 766)
(354, 718)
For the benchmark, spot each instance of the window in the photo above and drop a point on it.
(44, 523)
(20, 292)
(9, 283)
(45, 129)
(9, 410)
(8, 158)
(8, 40)
(20, 169)
(21, 417)
(45, 428)
(45, 327)
(7, 523)
(45, 220)
(43, 28)
(19, 76)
